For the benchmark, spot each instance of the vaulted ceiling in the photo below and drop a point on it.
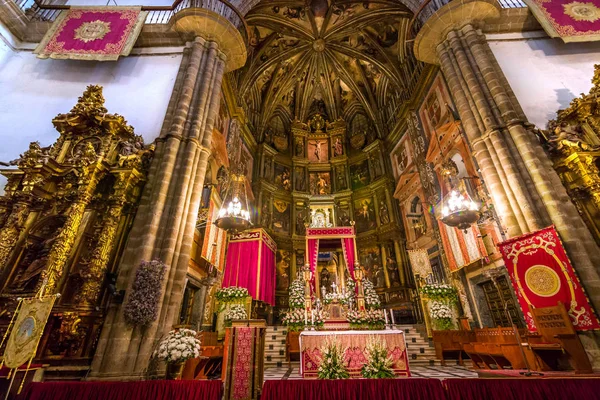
(338, 58)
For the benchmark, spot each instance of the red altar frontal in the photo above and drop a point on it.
(250, 264)
(355, 343)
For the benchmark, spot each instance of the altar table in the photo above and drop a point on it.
(355, 342)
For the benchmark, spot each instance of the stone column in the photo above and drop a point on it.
(164, 224)
(524, 187)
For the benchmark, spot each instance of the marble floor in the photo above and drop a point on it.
(454, 371)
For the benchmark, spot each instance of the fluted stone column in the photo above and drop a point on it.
(524, 187)
(164, 224)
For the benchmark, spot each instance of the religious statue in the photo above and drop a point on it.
(318, 151)
(300, 220)
(344, 219)
(300, 180)
(384, 215)
(325, 279)
(265, 215)
(319, 185)
(286, 181)
(267, 168)
(392, 268)
(341, 178)
(338, 148)
(299, 147)
(376, 166)
(567, 138)
(317, 123)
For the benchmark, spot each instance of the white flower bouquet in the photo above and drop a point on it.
(235, 312)
(379, 364)
(178, 346)
(296, 294)
(294, 319)
(371, 297)
(440, 292)
(442, 315)
(231, 294)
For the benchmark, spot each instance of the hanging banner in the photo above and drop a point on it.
(419, 261)
(26, 332)
(542, 275)
(570, 20)
(92, 33)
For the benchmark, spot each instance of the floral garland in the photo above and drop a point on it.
(235, 312)
(231, 294)
(371, 297)
(442, 315)
(142, 305)
(296, 294)
(368, 319)
(332, 364)
(379, 364)
(178, 346)
(440, 292)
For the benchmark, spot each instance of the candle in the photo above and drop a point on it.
(305, 317)
(385, 314)
(392, 315)
(312, 317)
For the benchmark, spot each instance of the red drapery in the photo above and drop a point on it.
(348, 248)
(522, 389)
(354, 389)
(139, 390)
(250, 263)
(542, 275)
(313, 254)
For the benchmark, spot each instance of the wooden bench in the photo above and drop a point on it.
(556, 339)
(451, 342)
(292, 345)
(497, 348)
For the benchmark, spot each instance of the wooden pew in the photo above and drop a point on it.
(556, 339)
(499, 348)
(209, 363)
(451, 342)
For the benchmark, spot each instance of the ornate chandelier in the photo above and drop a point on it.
(459, 210)
(234, 215)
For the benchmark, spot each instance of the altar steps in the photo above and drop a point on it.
(275, 346)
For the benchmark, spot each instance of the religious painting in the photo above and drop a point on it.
(283, 178)
(359, 175)
(318, 150)
(370, 258)
(384, 212)
(299, 179)
(391, 264)
(337, 146)
(433, 111)
(281, 216)
(343, 214)
(320, 183)
(283, 261)
(246, 162)
(364, 215)
(341, 182)
(400, 157)
(299, 147)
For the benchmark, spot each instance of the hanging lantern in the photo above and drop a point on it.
(459, 210)
(234, 215)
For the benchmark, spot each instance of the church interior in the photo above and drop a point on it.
(312, 199)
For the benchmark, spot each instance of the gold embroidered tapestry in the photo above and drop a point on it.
(570, 20)
(92, 33)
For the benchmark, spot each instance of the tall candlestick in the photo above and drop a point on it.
(392, 315)
(385, 314)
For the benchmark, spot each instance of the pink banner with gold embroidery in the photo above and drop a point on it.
(92, 33)
(571, 20)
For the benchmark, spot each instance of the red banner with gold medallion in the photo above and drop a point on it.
(542, 275)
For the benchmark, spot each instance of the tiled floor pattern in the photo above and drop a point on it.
(455, 371)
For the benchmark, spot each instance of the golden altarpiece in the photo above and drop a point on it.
(573, 141)
(64, 218)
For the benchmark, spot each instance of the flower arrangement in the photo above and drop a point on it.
(333, 296)
(369, 319)
(371, 297)
(142, 305)
(442, 315)
(439, 292)
(231, 294)
(294, 319)
(178, 346)
(234, 312)
(379, 364)
(332, 365)
(296, 294)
